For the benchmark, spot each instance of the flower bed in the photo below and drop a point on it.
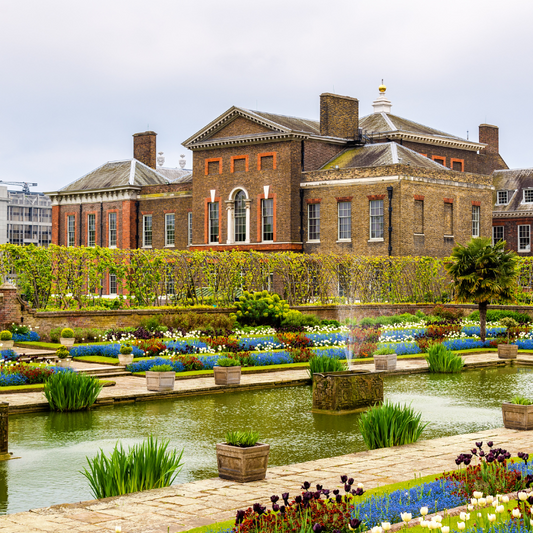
(26, 374)
(104, 350)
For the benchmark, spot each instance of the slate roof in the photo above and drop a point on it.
(292, 123)
(375, 155)
(176, 175)
(115, 174)
(514, 181)
(386, 122)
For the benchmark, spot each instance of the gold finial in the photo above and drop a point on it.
(382, 87)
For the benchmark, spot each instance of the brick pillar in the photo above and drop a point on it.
(129, 225)
(339, 116)
(55, 224)
(144, 148)
(489, 135)
(10, 306)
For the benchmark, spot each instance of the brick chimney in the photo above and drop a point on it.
(144, 148)
(339, 116)
(489, 135)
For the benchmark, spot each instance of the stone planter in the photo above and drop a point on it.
(7, 345)
(346, 392)
(67, 341)
(125, 358)
(517, 416)
(385, 361)
(160, 381)
(227, 375)
(242, 464)
(65, 363)
(507, 351)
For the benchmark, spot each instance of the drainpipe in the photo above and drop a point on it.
(101, 224)
(136, 224)
(389, 192)
(81, 224)
(302, 216)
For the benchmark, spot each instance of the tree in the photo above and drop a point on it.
(481, 273)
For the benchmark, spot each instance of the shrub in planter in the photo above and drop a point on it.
(385, 359)
(518, 413)
(125, 355)
(227, 371)
(227, 362)
(67, 333)
(323, 363)
(160, 378)
(70, 391)
(5, 335)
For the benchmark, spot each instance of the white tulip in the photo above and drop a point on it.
(500, 509)
(490, 499)
(482, 502)
(445, 529)
(406, 517)
(360, 486)
(478, 494)
(385, 525)
(377, 529)
(118, 529)
(522, 496)
(473, 501)
(492, 517)
(424, 523)
(461, 525)
(516, 513)
(505, 499)
(470, 507)
(424, 511)
(437, 518)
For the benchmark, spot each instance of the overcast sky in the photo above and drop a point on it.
(79, 78)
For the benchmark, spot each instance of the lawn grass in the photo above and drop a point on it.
(37, 345)
(98, 359)
(40, 386)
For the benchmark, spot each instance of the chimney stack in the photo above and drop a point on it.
(489, 135)
(144, 148)
(339, 116)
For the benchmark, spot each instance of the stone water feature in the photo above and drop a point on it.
(346, 392)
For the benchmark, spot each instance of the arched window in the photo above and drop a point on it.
(240, 217)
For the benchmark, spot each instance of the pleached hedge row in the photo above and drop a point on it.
(60, 277)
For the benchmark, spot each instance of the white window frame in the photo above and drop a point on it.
(376, 236)
(494, 239)
(527, 235)
(170, 230)
(265, 217)
(210, 222)
(526, 200)
(476, 220)
(346, 216)
(313, 214)
(147, 232)
(504, 193)
(91, 233)
(71, 230)
(112, 230)
(189, 228)
(112, 282)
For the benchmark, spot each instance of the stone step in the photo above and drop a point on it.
(111, 374)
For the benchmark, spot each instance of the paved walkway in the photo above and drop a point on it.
(182, 507)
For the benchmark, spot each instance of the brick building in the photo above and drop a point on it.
(375, 185)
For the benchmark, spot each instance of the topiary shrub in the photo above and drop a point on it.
(260, 308)
(5, 335)
(67, 333)
(62, 352)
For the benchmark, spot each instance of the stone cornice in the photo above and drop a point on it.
(94, 196)
(248, 140)
(512, 214)
(428, 139)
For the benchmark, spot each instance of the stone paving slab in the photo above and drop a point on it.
(182, 507)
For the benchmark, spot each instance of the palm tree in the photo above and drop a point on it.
(483, 272)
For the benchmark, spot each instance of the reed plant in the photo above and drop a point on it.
(390, 424)
(521, 400)
(243, 439)
(144, 466)
(70, 391)
(441, 360)
(323, 363)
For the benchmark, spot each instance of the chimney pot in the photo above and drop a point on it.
(489, 135)
(144, 148)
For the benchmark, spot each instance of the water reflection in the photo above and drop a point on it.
(54, 446)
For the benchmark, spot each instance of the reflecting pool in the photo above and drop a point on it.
(53, 446)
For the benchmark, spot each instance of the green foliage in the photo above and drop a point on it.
(508, 322)
(390, 424)
(145, 466)
(5, 335)
(261, 308)
(244, 439)
(162, 368)
(295, 318)
(63, 352)
(80, 334)
(394, 320)
(70, 391)
(446, 313)
(189, 321)
(521, 400)
(18, 328)
(495, 315)
(441, 360)
(153, 323)
(67, 333)
(228, 361)
(384, 351)
(327, 322)
(323, 363)
(126, 349)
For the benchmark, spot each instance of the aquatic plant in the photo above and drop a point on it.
(441, 360)
(144, 466)
(70, 391)
(323, 363)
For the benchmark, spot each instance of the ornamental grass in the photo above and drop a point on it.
(323, 363)
(440, 360)
(70, 391)
(390, 424)
(144, 466)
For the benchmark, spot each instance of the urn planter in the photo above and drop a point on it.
(125, 358)
(67, 341)
(507, 351)
(385, 361)
(517, 416)
(65, 363)
(227, 375)
(160, 381)
(242, 464)
(7, 345)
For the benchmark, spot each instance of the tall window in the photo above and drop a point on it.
(418, 217)
(345, 220)
(213, 222)
(267, 211)
(189, 228)
(448, 219)
(112, 230)
(497, 234)
(240, 217)
(524, 238)
(71, 230)
(313, 215)
(376, 219)
(147, 230)
(170, 229)
(91, 230)
(112, 284)
(475, 220)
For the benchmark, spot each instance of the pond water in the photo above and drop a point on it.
(53, 446)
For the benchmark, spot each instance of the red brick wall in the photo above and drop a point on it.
(144, 148)
(317, 154)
